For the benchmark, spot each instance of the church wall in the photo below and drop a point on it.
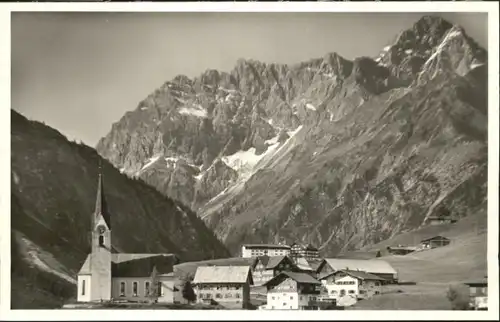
(167, 289)
(84, 288)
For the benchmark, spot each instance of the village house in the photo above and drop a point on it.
(434, 242)
(108, 275)
(346, 286)
(293, 291)
(255, 250)
(401, 250)
(267, 267)
(376, 267)
(228, 286)
(308, 252)
(478, 292)
(440, 220)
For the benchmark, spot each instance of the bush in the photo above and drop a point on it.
(458, 297)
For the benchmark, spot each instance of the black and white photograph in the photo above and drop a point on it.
(227, 159)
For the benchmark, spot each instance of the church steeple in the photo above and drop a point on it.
(101, 207)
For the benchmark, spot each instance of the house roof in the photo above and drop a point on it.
(266, 246)
(298, 277)
(303, 264)
(134, 265)
(356, 274)
(222, 274)
(374, 266)
(263, 259)
(478, 283)
(274, 261)
(434, 238)
(311, 247)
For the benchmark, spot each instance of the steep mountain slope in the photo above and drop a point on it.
(54, 185)
(334, 152)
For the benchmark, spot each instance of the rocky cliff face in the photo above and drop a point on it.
(54, 184)
(334, 152)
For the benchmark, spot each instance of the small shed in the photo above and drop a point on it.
(434, 242)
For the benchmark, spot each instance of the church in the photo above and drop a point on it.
(107, 275)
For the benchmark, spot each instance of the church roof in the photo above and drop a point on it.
(135, 265)
(101, 206)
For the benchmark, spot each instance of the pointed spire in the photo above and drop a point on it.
(100, 204)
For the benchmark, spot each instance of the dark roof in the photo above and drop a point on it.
(298, 277)
(142, 267)
(134, 265)
(101, 206)
(275, 261)
(356, 274)
(263, 259)
(477, 283)
(434, 238)
(266, 246)
(311, 247)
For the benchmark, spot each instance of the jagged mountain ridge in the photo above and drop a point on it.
(288, 130)
(53, 192)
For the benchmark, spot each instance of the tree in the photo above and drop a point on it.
(153, 286)
(378, 254)
(188, 292)
(459, 298)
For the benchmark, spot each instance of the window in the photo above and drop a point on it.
(101, 240)
(351, 291)
(377, 292)
(83, 287)
(122, 289)
(291, 297)
(218, 296)
(362, 291)
(146, 288)
(333, 292)
(159, 290)
(237, 295)
(134, 289)
(272, 298)
(284, 303)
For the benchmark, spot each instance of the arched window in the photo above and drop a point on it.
(83, 287)
(101, 240)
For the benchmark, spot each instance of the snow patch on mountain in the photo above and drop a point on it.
(150, 162)
(311, 107)
(193, 111)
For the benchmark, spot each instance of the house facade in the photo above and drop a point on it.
(308, 252)
(478, 295)
(267, 267)
(255, 250)
(293, 291)
(434, 242)
(377, 267)
(108, 275)
(346, 287)
(228, 286)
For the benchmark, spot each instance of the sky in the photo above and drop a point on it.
(80, 72)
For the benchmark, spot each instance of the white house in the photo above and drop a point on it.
(293, 291)
(229, 286)
(108, 275)
(346, 287)
(255, 250)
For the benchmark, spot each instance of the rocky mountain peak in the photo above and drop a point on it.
(260, 124)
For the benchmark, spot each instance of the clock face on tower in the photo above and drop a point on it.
(101, 229)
